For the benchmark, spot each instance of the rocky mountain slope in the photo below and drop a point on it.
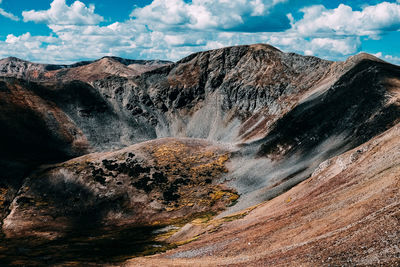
(155, 182)
(248, 121)
(346, 214)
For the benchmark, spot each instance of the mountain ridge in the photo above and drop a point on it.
(277, 116)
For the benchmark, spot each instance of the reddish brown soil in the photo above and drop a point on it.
(346, 214)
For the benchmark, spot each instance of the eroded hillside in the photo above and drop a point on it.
(114, 143)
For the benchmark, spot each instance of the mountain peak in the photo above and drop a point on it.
(262, 46)
(14, 59)
(363, 56)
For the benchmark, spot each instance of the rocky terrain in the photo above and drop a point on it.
(346, 214)
(97, 149)
(86, 71)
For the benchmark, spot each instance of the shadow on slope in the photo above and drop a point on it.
(85, 239)
(356, 105)
(362, 104)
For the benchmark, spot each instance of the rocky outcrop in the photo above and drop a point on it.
(15, 67)
(255, 83)
(127, 198)
(153, 183)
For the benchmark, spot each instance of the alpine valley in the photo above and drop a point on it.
(240, 156)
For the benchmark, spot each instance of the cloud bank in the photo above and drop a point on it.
(343, 21)
(171, 29)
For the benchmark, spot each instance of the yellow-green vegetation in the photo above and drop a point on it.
(196, 167)
(180, 243)
(235, 216)
(213, 225)
(217, 195)
(179, 157)
(206, 221)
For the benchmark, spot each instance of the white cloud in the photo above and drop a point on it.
(27, 46)
(201, 14)
(172, 29)
(370, 21)
(333, 48)
(389, 58)
(344, 46)
(392, 59)
(8, 15)
(169, 37)
(62, 14)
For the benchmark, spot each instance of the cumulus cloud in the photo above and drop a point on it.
(343, 20)
(234, 15)
(344, 46)
(335, 47)
(172, 29)
(389, 58)
(62, 14)
(166, 30)
(27, 46)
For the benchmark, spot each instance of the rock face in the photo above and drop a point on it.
(246, 120)
(153, 183)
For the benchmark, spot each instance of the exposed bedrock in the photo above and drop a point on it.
(159, 182)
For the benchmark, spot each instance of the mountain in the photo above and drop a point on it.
(96, 148)
(86, 71)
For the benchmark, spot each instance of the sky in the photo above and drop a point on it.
(67, 31)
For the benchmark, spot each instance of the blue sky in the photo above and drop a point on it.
(66, 31)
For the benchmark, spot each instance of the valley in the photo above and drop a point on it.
(235, 156)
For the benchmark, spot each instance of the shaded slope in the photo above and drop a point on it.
(102, 197)
(53, 122)
(363, 103)
(34, 130)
